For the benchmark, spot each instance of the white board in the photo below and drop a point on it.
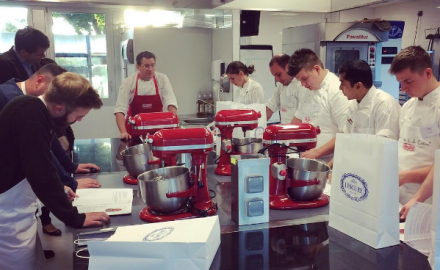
(260, 56)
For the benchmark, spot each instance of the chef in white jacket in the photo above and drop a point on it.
(419, 125)
(285, 97)
(370, 110)
(247, 91)
(324, 105)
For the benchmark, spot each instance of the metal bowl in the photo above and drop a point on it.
(136, 159)
(153, 192)
(308, 177)
(247, 145)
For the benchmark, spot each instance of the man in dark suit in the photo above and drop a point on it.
(24, 58)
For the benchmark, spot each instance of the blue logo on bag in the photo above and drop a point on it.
(158, 234)
(354, 187)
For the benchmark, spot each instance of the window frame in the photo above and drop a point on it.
(111, 67)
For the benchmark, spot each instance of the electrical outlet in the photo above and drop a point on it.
(420, 13)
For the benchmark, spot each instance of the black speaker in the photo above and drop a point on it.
(249, 23)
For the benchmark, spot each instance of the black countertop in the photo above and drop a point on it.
(274, 245)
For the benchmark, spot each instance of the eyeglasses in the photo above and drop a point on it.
(149, 66)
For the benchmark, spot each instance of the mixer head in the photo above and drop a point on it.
(244, 118)
(301, 136)
(149, 123)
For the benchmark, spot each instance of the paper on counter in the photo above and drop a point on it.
(111, 201)
(417, 233)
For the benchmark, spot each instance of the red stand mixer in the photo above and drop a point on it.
(226, 121)
(198, 142)
(145, 124)
(278, 139)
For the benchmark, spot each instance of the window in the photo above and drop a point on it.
(11, 19)
(80, 46)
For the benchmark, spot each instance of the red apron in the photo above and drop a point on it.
(143, 104)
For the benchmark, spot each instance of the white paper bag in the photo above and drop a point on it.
(238, 132)
(365, 189)
(175, 245)
(434, 256)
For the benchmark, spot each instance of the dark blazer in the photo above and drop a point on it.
(10, 67)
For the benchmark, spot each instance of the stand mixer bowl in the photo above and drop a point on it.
(136, 159)
(155, 184)
(309, 178)
(247, 145)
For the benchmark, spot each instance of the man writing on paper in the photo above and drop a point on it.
(419, 125)
(370, 110)
(146, 91)
(324, 105)
(285, 97)
(27, 171)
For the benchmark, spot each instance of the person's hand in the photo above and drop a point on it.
(88, 183)
(96, 219)
(329, 178)
(85, 167)
(70, 194)
(125, 136)
(405, 209)
(311, 154)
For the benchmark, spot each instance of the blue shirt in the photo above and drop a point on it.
(27, 66)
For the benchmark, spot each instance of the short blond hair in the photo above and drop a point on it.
(73, 91)
(413, 57)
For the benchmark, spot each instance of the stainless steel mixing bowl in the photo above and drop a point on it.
(309, 178)
(136, 159)
(153, 190)
(247, 145)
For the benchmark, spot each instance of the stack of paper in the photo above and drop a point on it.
(111, 201)
(417, 230)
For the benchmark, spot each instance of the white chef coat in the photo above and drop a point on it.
(128, 87)
(251, 92)
(285, 99)
(377, 113)
(416, 146)
(326, 108)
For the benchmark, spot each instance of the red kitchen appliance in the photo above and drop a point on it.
(226, 121)
(198, 142)
(145, 124)
(278, 139)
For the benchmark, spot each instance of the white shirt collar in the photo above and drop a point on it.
(42, 99)
(431, 96)
(327, 77)
(246, 85)
(365, 102)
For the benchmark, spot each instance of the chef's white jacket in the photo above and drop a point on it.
(251, 92)
(377, 113)
(325, 107)
(128, 87)
(285, 99)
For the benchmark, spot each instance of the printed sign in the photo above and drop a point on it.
(357, 35)
(354, 187)
(158, 234)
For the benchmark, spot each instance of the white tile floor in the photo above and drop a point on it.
(61, 245)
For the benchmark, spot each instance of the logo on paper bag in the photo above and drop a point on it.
(158, 234)
(354, 187)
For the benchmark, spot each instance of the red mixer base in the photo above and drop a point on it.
(128, 179)
(148, 216)
(222, 169)
(283, 202)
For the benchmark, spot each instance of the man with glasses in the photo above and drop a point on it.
(146, 91)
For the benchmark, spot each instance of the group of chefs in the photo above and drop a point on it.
(37, 96)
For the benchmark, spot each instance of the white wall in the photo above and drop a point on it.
(184, 55)
(273, 23)
(408, 12)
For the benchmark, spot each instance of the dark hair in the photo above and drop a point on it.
(413, 57)
(146, 55)
(357, 71)
(52, 69)
(30, 39)
(303, 59)
(237, 66)
(281, 59)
